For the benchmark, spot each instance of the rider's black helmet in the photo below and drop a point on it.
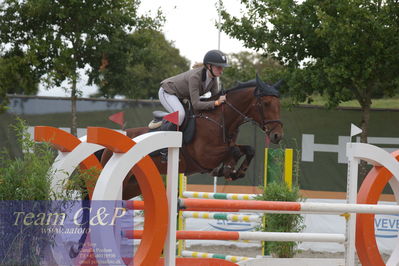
(216, 58)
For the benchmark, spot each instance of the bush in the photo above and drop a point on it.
(25, 188)
(279, 191)
(26, 177)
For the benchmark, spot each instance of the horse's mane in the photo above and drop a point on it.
(239, 86)
(262, 88)
(242, 85)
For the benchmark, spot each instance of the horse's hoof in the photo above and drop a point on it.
(74, 250)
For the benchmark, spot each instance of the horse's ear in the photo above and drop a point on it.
(263, 89)
(259, 82)
(257, 87)
(278, 84)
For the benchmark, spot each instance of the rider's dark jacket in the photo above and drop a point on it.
(191, 85)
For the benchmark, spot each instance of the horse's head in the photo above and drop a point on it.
(266, 109)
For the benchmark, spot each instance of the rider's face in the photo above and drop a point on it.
(217, 70)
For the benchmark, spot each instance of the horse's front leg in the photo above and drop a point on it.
(249, 153)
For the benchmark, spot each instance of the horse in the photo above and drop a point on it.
(213, 148)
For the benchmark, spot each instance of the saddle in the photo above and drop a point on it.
(187, 127)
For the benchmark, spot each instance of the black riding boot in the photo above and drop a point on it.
(166, 126)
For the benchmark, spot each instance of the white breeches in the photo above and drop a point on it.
(172, 104)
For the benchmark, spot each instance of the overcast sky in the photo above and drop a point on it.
(190, 25)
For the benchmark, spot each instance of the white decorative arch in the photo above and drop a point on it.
(377, 157)
(109, 183)
(66, 162)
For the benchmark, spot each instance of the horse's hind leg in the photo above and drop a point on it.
(107, 154)
(249, 152)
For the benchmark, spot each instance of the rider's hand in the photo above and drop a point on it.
(221, 100)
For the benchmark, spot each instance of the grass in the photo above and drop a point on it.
(390, 103)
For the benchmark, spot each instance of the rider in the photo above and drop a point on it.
(191, 85)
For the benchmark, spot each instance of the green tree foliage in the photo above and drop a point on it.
(244, 65)
(151, 58)
(347, 49)
(61, 37)
(16, 76)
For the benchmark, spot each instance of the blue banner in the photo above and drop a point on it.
(63, 232)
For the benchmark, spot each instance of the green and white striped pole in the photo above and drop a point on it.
(223, 216)
(194, 254)
(226, 196)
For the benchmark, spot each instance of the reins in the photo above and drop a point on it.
(245, 118)
(249, 119)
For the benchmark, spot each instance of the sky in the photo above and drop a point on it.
(190, 25)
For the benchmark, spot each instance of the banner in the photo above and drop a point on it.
(61, 232)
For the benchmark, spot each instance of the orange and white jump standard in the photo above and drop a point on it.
(161, 205)
(127, 153)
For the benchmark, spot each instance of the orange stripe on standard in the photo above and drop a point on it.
(240, 204)
(109, 138)
(134, 205)
(198, 235)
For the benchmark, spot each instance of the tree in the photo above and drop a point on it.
(16, 76)
(244, 65)
(344, 48)
(61, 37)
(151, 59)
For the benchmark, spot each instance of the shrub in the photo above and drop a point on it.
(26, 177)
(279, 191)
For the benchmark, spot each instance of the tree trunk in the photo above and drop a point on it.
(74, 125)
(364, 125)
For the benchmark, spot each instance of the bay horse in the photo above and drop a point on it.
(213, 148)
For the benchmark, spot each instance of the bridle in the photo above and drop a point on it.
(264, 121)
(263, 124)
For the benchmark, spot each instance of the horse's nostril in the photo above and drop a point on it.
(276, 138)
